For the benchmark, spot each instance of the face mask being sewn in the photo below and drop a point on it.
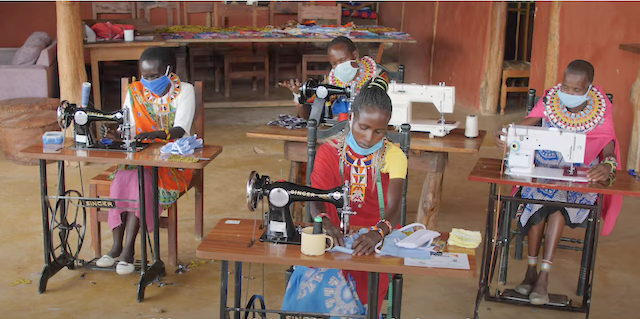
(571, 101)
(345, 72)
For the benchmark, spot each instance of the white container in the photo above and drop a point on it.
(129, 35)
(52, 137)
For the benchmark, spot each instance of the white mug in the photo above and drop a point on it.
(129, 35)
(314, 244)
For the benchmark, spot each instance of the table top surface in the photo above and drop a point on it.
(488, 170)
(454, 142)
(150, 156)
(157, 41)
(230, 242)
(285, 40)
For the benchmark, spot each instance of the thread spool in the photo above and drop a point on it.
(471, 126)
(129, 35)
(86, 91)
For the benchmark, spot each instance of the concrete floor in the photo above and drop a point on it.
(195, 294)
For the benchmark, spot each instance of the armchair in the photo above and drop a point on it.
(36, 80)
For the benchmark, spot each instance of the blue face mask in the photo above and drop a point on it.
(351, 141)
(571, 101)
(157, 86)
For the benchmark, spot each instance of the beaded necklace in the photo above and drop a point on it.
(162, 104)
(359, 167)
(583, 121)
(366, 70)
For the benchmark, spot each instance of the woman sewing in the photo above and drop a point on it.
(347, 69)
(573, 105)
(375, 169)
(162, 109)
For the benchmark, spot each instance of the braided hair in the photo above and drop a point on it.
(373, 95)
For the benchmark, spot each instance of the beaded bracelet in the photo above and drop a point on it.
(611, 160)
(386, 222)
(376, 228)
(168, 134)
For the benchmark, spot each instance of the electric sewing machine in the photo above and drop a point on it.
(83, 117)
(524, 141)
(278, 221)
(323, 92)
(403, 95)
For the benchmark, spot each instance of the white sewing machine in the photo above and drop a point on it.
(403, 95)
(524, 141)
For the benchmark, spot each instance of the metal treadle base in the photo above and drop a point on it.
(92, 266)
(554, 299)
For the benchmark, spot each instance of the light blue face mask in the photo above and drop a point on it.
(351, 141)
(572, 101)
(389, 247)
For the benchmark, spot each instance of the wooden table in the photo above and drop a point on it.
(150, 156)
(229, 242)
(497, 230)
(431, 155)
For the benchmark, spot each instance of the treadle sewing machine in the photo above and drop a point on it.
(82, 118)
(524, 141)
(323, 92)
(441, 96)
(278, 221)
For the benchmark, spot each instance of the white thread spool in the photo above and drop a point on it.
(129, 35)
(471, 126)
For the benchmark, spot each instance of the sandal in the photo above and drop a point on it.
(125, 268)
(105, 261)
(524, 289)
(538, 299)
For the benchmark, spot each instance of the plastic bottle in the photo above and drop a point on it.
(317, 225)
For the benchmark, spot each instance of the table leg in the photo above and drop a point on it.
(434, 164)
(595, 232)
(181, 63)
(224, 280)
(237, 289)
(372, 309)
(46, 236)
(143, 234)
(380, 50)
(95, 79)
(483, 283)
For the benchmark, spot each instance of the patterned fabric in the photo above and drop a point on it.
(337, 292)
(554, 159)
(153, 113)
(584, 121)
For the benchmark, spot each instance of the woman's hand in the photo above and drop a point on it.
(599, 173)
(366, 243)
(292, 85)
(497, 133)
(150, 135)
(333, 231)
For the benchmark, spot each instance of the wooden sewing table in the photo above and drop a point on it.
(230, 242)
(55, 218)
(428, 155)
(497, 230)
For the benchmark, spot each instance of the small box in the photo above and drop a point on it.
(52, 137)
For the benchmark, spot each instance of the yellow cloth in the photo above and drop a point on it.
(395, 162)
(464, 238)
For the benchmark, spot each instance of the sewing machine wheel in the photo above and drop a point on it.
(67, 230)
(65, 113)
(253, 194)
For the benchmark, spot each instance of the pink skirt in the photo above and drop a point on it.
(125, 186)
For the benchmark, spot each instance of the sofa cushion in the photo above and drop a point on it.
(30, 51)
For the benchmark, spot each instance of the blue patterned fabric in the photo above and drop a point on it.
(554, 159)
(321, 290)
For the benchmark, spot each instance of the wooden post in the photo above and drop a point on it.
(433, 163)
(490, 85)
(553, 42)
(70, 52)
(634, 148)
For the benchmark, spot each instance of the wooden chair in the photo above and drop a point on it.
(234, 60)
(117, 7)
(404, 139)
(202, 56)
(285, 55)
(169, 6)
(99, 187)
(315, 56)
(512, 70)
(517, 234)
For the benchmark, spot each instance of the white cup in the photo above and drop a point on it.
(129, 35)
(314, 244)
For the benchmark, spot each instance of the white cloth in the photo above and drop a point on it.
(185, 108)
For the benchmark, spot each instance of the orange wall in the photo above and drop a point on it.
(20, 19)
(581, 37)
(460, 45)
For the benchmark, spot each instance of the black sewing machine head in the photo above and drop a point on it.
(83, 136)
(280, 195)
(322, 92)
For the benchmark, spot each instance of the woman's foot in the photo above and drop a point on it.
(539, 295)
(125, 268)
(530, 278)
(110, 258)
(127, 256)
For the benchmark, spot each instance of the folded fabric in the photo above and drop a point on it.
(182, 146)
(288, 121)
(110, 31)
(464, 238)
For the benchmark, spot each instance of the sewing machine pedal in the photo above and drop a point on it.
(554, 299)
